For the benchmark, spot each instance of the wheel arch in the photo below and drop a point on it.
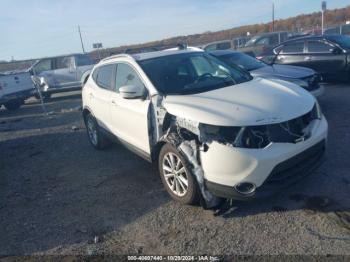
(85, 77)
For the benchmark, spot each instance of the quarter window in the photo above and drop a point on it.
(319, 47)
(126, 75)
(103, 76)
(295, 47)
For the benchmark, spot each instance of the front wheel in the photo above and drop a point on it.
(177, 176)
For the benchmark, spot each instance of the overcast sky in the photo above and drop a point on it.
(37, 28)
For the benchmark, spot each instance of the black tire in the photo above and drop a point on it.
(100, 141)
(13, 104)
(191, 196)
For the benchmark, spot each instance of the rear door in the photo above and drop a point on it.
(322, 58)
(65, 74)
(291, 53)
(101, 96)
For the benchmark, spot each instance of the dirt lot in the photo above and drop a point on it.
(60, 196)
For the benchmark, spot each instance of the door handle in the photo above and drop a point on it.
(114, 103)
(91, 95)
(307, 58)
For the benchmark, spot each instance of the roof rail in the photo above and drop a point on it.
(141, 50)
(116, 56)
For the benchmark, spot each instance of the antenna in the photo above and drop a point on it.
(273, 17)
(81, 39)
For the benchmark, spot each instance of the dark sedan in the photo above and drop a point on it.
(304, 77)
(328, 55)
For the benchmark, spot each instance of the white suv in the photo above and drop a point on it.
(214, 131)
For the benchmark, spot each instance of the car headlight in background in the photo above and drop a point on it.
(299, 82)
(318, 110)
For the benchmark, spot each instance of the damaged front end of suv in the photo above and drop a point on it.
(242, 162)
(214, 130)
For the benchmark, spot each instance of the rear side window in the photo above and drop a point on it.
(223, 46)
(126, 75)
(294, 47)
(319, 47)
(103, 76)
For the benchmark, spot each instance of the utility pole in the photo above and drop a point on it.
(273, 17)
(324, 7)
(81, 39)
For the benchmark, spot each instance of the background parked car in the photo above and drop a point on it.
(62, 73)
(260, 43)
(338, 30)
(235, 43)
(15, 87)
(304, 77)
(327, 55)
(218, 45)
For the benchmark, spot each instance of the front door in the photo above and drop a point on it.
(101, 95)
(292, 53)
(130, 116)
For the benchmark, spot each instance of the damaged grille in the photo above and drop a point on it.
(297, 164)
(292, 131)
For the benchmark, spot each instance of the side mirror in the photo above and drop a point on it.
(131, 91)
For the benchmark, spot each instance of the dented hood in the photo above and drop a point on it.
(257, 102)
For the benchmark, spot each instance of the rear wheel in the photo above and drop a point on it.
(96, 138)
(177, 176)
(13, 104)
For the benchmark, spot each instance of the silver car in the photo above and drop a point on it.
(62, 73)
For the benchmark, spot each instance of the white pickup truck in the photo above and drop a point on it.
(15, 87)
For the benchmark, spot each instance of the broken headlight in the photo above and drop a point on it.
(243, 137)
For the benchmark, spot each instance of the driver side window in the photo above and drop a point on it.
(43, 65)
(126, 75)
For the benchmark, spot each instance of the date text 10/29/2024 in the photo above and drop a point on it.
(173, 258)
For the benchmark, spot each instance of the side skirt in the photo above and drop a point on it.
(129, 146)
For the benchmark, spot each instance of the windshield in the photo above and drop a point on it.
(245, 61)
(342, 40)
(191, 73)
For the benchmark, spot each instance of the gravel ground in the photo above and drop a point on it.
(60, 196)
